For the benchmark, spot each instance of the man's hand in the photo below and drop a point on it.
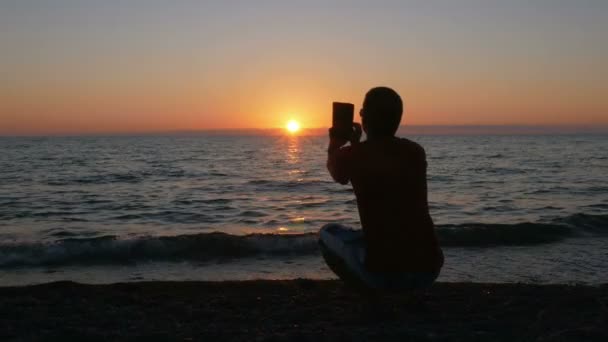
(338, 159)
(356, 135)
(336, 141)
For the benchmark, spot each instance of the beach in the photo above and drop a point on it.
(301, 310)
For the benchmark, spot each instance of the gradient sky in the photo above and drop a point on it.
(134, 66)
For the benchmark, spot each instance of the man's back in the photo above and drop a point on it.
(389, 179)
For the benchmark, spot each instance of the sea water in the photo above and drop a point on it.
(96, 209)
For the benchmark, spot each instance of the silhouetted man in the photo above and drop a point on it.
(397, 247)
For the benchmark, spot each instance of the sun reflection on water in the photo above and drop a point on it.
(293, 150)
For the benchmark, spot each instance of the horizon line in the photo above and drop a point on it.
(511, 129)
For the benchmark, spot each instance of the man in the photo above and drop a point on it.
(397, 247)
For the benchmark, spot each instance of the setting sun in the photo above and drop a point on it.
(293, 126)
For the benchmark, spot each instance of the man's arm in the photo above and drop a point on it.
(338, 163)
(421, 186)
(425, 202)
(339, 159)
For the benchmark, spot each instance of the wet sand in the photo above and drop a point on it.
(301, 310)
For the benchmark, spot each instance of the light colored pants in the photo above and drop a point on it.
(344, 251)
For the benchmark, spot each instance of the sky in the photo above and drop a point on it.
(142, 66)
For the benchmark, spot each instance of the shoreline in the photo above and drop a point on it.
(301, 310)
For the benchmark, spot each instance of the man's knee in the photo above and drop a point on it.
(328, 233)
(332, 227)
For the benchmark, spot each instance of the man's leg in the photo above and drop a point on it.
(344, 252)
(340, 247)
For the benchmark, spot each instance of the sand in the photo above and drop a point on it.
(301, 310)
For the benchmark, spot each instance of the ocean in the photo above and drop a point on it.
(95, 209)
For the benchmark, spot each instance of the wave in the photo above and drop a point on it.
(196, 247)
(132, 177)
(289, 184)
(488, 235)
(522, 234)
(218, 246)
(98, 179)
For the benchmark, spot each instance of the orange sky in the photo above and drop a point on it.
(150, 67)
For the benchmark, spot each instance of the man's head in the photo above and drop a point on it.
(381, 112)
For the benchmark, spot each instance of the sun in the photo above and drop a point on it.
(293, 126)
